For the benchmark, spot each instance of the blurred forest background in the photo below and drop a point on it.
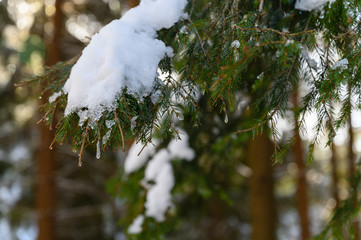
(233, 189)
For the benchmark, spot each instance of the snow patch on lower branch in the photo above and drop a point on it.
(136, 226)
(341, 64)
(159, 178)
(124, 55)
(310, 5)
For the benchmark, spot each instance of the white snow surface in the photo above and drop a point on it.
(158, 170)
(342, 64)
(53, 97)
(309, 5)
(124, 55)
(235, 44)
(136, 226)
(133, 162)
(311, 62)
(154, 166)
(181, 149)
(159, 197)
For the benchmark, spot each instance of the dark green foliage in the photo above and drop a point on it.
(228, 49)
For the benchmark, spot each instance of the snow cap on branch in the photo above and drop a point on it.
(309, 5)
(124, 55)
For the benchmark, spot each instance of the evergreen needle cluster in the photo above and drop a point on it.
(263, 51)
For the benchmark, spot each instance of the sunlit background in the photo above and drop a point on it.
(85, 209)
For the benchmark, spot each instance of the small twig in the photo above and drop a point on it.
(171, 122)
(142, 149)
(260, 10)
(170, 105)
(80, 163)
(52, 119)
(199, 39)
(120, 129)
(274, 30)
(323, 100)
(274, 140)
(251, 128)
(345, 33)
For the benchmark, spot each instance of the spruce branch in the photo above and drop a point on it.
(80, 163)
(120, 130)
(285, 34)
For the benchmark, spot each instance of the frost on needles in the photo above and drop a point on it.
(124, 55)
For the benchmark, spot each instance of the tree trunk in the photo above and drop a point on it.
(302, 196)
(352, 170)
(262, 209)
(334, 175)
(45, 194)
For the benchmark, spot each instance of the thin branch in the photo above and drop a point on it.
(274, 140)
(120, 129)
(260, 10)
(80, 163)
(252, 128)
(349, 31)
(275, 31)
(199, 39)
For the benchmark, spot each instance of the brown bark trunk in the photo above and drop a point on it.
(334, 175)
(45, 191)
(45, 194)
(350, 149)
(302, 196)
(352, 168)
(262, 209)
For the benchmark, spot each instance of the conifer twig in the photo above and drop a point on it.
(251, 128)
(260, 10)
(323, 101)
(274, 140)
(120, 129)
(261, 30)
(349, 31)
(199, 39)
(80, 163)
(141, 150)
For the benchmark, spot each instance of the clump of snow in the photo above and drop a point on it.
(106, 137)
(109, 123)
(309, 5)
(181, 149)
(310, 61)
(159, 170)
(53, 97)
(342, 64)
(136, 226)
(154, 166)
(98, 153)
(133, 123)
(290, 42)
(235, 44)
(159, 197)
(133, 162)
(184, 30)
(124, 55)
